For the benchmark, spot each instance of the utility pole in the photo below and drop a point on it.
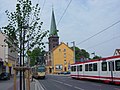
(73, 50)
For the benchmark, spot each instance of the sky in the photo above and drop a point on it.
(87, 22)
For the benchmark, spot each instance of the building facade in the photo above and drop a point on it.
(62, 57)
(9, 58)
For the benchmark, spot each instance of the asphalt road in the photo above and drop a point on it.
(58, 82)
(6, 84)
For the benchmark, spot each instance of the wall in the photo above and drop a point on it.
(62, 58)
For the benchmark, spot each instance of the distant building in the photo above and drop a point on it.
(117, 52)
(9, 58)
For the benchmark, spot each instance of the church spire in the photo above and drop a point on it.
(53, 28)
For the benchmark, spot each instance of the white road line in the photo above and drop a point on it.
(37, 84)
(57, 81)
(96, 84)
(43, 86)
(78, 88)
(67, 84)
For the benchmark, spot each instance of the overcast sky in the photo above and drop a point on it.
(82, 19)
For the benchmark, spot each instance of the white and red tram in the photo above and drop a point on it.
(105, 69)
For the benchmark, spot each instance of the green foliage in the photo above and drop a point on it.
(97, 57)
(80, 53)
(25, 20)
(35, 54)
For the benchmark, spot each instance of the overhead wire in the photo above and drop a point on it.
(64, 12)
(43, 6)
(99, 32)
(104, 42)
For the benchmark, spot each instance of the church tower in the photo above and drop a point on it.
(53, 37)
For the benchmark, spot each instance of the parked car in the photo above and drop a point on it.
(5, 76)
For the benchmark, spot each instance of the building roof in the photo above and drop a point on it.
(53, 28)
(117, 52)
(60, 45)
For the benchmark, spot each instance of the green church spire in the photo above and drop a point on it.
(53, 28)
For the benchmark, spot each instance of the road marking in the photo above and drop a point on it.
(78, 88)
(57, 81)
(38, 86)
(43, 86)
(96, 84)
(35, 86)
(67, 84)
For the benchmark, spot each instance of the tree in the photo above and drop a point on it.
(97, 57)
(25, 26)
(80, 53)
(23, 31)
(36, 56)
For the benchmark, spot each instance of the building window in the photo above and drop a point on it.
(64, 55)
(65, 62)
(59, 50)
(64, 50)
(58, 67)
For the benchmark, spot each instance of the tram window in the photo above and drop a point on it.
(104, 66)
(111, 66)
(74, 68)
(71, 68)
(86, 67)
(94, 66)
(117, 64)
(80, 67)
(90, 67)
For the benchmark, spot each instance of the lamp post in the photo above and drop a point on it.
(73, 50)
(93, 54)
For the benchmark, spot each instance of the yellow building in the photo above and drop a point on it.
(62, 57)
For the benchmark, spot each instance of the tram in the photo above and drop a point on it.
(104, 69)
(38, 71)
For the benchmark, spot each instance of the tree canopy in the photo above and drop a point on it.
(24, 26)
(80, 53)
(36, 56)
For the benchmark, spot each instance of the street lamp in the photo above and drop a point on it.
(73, 50)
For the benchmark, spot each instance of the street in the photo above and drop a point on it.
(58, 82)
(8, 84)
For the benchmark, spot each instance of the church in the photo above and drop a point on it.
(60, 55)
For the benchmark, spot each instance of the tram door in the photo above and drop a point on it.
(78, 69)
(111, 69)
(104, 70)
